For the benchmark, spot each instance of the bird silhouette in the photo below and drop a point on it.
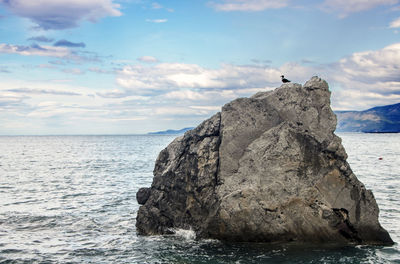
(284, 80)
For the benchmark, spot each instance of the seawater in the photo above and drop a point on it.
(71, 199)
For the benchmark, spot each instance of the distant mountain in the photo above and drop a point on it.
(381, 119)
(171, 132)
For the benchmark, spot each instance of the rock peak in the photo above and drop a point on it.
(266, 168)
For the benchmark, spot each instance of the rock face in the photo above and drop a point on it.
(266, 168)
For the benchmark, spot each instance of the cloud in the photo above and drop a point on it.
(372, 66)
(165, 77)
(46, 66)
(159, 6)
(115, 93)
(66, 43)
(57, 62)
(181, 94)
(346, 7)
(366, 79)
(395, 23)
(9, 100)
(49, 51)
(101, 71)
(35, 50)
(157, 21)
(42, 91)
(4, 69)
(149, 59)
(75, 71)
(62, 14)
(248, 5)
(359, 81)
(156, 6)
(257, 61)
(41, 39)
(186, 95)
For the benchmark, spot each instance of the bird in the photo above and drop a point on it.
(284, 80)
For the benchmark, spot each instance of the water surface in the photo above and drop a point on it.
(71, 199)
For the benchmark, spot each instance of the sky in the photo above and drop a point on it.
(134, 66)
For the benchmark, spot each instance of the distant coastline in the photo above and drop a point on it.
(171, 131)
(380, 119)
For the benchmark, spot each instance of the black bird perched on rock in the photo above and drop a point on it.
(284, 80)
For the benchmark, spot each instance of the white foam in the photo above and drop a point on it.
(187, 234)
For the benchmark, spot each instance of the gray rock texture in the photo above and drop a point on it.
(268, 168)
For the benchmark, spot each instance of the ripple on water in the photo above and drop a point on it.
(72, 199)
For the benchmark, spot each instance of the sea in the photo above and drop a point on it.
(72, 199)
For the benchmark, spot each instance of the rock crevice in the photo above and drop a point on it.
(266, 168)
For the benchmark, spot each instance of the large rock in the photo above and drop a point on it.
(267, 168)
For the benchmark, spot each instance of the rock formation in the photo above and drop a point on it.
(266, 168)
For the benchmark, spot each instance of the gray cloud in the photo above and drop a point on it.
(62, 14)
(7, 102)
(35, 50)
(42, 91)
(66, 43)
(60, 52)
(41, 39)
(101, 71)
(57, 62)
(307, 61)
(257, 61)
(4, 69)
(74, 71)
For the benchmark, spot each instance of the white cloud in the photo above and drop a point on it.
(165, 77)
(372, 66)
(366, 79)
(179, 111)
(248, 5)
(395, 23)
(157, 21)
(62, 14)
(346, 7)
(374, 73)
(188, 93)
(156, 6)
(149, 59)
(216, 97)
(207, 107)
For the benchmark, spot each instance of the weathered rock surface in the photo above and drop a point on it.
(266, 168)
